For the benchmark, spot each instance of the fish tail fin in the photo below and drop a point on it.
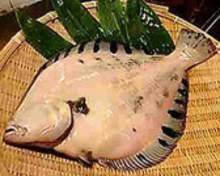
(194, 47)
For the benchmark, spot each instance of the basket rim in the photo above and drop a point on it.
(17, 40)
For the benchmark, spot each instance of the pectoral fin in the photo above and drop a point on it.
(86, 159)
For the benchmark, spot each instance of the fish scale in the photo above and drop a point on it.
(100, 102)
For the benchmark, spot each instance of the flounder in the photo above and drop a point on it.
(102, 102)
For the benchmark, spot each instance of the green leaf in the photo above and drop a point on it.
(42, 38)
(113, 20)
(146, 30)
(79, 23)
(135, 25)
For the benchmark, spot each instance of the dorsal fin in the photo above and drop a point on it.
(89, 47)
(171, 131)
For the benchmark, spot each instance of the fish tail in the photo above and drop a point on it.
(194, 47)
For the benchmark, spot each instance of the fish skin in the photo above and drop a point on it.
(134, 105)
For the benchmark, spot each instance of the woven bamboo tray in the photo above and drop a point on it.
(198, 151)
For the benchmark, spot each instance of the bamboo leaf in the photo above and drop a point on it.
(78, 22)
(46, 41)
(113, 20)
(146, 30)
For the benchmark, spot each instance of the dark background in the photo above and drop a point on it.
(194, 11)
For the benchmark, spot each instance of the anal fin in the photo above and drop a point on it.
(144, 159)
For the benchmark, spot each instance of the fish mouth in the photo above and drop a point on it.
(12, 133)
(10, 130)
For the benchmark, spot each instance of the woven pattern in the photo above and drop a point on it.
(198, 151)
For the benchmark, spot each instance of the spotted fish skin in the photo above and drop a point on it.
(128, 109)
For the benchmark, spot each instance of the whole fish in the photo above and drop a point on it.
(103, 102)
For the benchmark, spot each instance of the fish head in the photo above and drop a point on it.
(42, 125)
